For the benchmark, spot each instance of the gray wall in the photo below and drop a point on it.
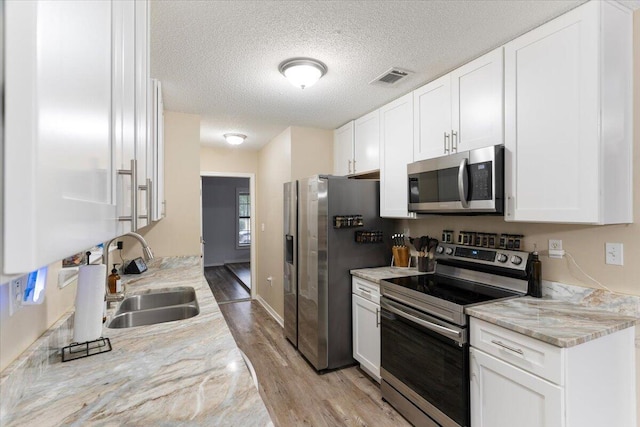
(219, 220)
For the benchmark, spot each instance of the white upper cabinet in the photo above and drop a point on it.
(367, 143)
(462, 110)
(396, 143)
(343, 150)
(157, 159)
(476, 103)
(144, 167)
(432, 119)
(58, 169)
(568, 89)
(123, 112)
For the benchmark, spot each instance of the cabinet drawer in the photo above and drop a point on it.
(530, 354)
(366, 289)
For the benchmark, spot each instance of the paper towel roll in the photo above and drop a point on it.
(87, 324)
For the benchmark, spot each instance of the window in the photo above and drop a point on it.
(244, 218)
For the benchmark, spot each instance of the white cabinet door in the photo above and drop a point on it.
(367, 143)
(57, 146)
(432, 119)
(396, 151)
(157, 143)
(143, 113)
(568, 119)
(477, 107)
(531, 401)
(124, 111)
(343, 150)
(366, 334)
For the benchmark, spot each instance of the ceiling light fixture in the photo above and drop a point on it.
(302, 72)
(234, 138)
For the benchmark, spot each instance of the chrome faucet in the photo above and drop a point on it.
(146, 253)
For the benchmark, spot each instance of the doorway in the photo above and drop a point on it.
(227, 226)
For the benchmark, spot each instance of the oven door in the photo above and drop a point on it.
(427, 361)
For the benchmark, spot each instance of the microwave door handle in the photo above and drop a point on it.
(463, 183)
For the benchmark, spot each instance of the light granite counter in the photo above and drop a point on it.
(377, 274)
(557, 322)
(187, 372)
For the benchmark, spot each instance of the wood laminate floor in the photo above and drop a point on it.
(293, 392)
(242, 271)
(225, 286)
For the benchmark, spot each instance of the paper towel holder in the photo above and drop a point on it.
(90, 348)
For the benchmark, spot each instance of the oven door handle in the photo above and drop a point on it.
(391, 306)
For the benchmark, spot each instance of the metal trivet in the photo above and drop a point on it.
(79, 350)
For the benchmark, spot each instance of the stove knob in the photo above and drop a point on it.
(448, 251)
(516, 260)
(439, 249)
(502, 258)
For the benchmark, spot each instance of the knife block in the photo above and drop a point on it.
(400, 256)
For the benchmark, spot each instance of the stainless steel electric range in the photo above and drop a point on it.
(424, 335)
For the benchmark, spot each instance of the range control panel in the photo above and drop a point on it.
(516, 260)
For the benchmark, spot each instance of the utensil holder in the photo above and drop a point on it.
(426, 264)
(400, 256)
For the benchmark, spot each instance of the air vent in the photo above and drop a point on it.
(390, 77)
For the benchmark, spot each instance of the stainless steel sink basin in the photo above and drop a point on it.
(153, 316)
(164, 298)
(156, 307)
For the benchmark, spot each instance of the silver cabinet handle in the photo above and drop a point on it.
(446, 146)
(454, 137)
(377, 317)
(463, 187)
(354, 165)
(146, 187)
(349, 166)
(508, 347)
(134, 178)
(149, 199)
(364, 290)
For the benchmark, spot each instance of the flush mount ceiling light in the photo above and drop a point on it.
(302, 72)
(234, 138)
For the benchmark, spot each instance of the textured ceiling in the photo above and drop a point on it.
(220, 59)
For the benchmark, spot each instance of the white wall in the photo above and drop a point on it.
(219, 220)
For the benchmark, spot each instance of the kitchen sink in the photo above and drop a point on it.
(157, 299)
(156, 307)
(154, 315)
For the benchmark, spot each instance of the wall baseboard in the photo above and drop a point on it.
(270, 310)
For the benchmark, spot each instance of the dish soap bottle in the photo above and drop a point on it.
(115, 284)
(535, 275)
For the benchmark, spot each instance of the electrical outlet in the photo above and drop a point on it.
(614, 253)
(555, 248)
(15, 294)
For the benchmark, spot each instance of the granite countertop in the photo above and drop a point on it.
(560, 323)
(377, 274)
(187, 372)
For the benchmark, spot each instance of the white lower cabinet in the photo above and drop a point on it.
(366, 325)
(520, 381)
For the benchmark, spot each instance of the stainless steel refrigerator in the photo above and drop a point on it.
(322, 216)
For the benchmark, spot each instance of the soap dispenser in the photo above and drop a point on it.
(115, 284)
(535, 275)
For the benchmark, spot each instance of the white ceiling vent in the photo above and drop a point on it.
(390, 77)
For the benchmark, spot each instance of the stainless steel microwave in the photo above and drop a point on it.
(470, 182)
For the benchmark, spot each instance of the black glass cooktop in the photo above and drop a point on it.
(457, 291)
